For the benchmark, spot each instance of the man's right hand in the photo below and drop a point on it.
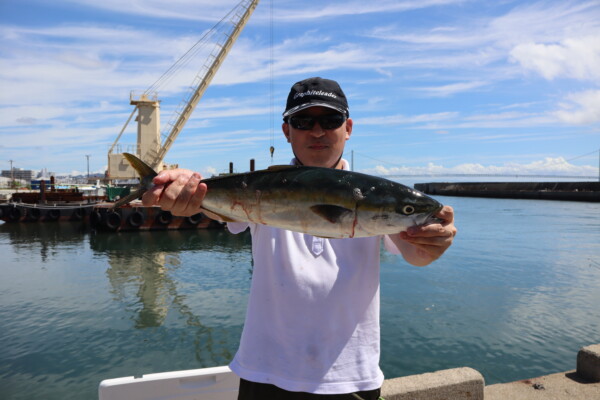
(178, 191)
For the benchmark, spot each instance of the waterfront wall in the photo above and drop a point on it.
(220, 383)
(468, 384)
(570, 191)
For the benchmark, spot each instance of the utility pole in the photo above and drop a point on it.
(12, 175)
(88, 165)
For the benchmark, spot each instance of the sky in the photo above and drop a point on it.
(434, 86)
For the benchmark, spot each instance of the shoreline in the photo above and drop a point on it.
(466, 383)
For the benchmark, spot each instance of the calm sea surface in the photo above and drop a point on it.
(515, 297)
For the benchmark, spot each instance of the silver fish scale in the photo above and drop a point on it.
(319, 201)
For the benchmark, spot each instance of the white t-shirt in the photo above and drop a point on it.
(312, 323)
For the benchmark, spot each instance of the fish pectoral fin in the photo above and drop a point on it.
(330, 212)
(217, 216)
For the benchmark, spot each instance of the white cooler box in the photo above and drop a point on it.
(217, 383)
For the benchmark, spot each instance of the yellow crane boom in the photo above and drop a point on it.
(151, 147)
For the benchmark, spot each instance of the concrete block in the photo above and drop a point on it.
(450, 384)
(588, 363)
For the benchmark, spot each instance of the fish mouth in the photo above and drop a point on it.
(429, 218)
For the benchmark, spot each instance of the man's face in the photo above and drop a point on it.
(318, 147)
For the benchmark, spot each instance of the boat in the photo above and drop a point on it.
(68, 203)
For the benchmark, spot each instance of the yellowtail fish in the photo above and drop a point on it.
(323, 202)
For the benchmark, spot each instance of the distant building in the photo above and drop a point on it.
(4, 182)
(18, 173)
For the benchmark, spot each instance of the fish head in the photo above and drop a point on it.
(392, 208)
(416, 206)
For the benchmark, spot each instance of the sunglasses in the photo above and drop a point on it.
(306, 122)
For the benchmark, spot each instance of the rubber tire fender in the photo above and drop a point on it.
(78, 214)
(136, 219)
(113, 220)
(195, 219)
(95, 218)
(164, 217)
(14, 214)
(33, 214)
(53, 214)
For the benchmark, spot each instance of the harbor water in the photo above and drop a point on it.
(515, 297)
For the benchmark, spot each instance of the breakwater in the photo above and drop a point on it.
(571, 191)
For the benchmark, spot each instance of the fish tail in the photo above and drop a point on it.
(141, 167)
(129, 198)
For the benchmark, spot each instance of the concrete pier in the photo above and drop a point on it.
(468, 384)
(456, 383)
(570, 191)
(451, 384)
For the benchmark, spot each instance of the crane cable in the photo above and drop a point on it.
(189, 55)
(271, 85)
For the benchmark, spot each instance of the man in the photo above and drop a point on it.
(312, 324)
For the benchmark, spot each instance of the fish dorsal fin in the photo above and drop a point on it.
(141, 167)
(280, 167)
(331, 212)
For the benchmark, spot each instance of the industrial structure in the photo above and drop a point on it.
(151, 145)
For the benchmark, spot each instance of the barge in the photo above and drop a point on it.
(74, 206)
(136, 217)
(102, 217)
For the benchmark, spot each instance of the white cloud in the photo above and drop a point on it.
(209, 171)
(198, 10)
(334, 9)
(451, 89)
(564, 34)
(207, 10)
(403, 119)
(583, 108)
(575, 58)
(558, 166)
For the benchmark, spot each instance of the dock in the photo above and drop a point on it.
(464, 383)
(582, 383)
(568, 191)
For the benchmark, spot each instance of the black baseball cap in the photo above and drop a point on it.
(313, 92)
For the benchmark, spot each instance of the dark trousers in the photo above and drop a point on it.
(263, 391)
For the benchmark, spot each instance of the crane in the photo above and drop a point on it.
(151, 145)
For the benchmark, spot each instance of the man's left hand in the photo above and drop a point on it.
(431, 241)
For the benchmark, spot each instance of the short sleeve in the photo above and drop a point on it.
(237, 227)
(390, 246)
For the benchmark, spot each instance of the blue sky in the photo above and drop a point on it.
(435, 86)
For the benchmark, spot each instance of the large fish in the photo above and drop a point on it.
(323, 202)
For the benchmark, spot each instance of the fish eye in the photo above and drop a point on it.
(408, 210)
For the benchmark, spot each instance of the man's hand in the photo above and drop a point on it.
(178, 191)
(421, 245)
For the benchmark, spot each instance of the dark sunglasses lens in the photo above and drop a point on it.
(332, 121)
(306, 123)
